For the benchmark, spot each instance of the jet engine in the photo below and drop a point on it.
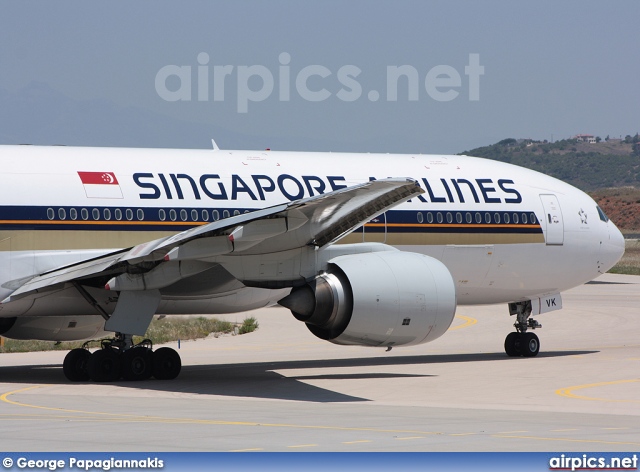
(389, 298)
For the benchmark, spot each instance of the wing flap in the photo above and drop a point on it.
(66, 274)
(316, 221)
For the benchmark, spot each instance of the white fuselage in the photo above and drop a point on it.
(505, 233)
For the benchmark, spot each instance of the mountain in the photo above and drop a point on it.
(612, 163)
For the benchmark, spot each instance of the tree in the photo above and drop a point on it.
(607, 138)
(598, 139)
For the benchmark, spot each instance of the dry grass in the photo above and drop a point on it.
(160, 331)
(249, 325)
(174, 328)
(627, 194)
(630, 262)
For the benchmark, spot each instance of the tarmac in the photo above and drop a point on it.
(282, 389)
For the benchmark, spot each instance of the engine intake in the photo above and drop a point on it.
(389, 298)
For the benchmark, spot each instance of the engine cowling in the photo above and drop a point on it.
(377, 299)
(53, 328)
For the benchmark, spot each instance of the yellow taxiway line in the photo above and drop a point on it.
(568, 391)
(468, 322)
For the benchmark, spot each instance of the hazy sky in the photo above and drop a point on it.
(549, 67)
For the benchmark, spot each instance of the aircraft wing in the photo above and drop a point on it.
(317, 221)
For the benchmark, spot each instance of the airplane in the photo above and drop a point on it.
(365, 249)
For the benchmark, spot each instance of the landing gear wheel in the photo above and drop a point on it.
(137, 363)
(530, 345)
(104, 365)
(513, 345)
(75, 365)
(166, 364)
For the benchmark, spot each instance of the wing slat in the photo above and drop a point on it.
(318, 221)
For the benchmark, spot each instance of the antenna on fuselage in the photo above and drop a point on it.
(215, 146)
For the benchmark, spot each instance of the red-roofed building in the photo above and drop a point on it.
(585, 138)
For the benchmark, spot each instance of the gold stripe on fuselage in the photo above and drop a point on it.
(43, 240)
(52, 240)
(444, 239)
(421, 236)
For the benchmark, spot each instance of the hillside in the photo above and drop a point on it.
(622, 206)
(608, 170)
(612, 163)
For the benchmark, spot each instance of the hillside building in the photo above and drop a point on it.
(585, 138)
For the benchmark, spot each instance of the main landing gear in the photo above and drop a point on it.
(522, 343)
(119, 358)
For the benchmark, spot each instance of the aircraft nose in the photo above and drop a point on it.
(612, 247)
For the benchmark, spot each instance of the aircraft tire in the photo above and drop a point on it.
(530, 345)
(513, 344)
(75, 365)
(104, 365)
(166, 364)
(137, 364)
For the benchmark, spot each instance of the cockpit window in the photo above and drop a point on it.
(603, 217)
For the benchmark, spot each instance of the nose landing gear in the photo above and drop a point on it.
(521, 342)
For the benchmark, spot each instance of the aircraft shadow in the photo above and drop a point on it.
(265, 380)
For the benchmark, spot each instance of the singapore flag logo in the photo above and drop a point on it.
(100, 184)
